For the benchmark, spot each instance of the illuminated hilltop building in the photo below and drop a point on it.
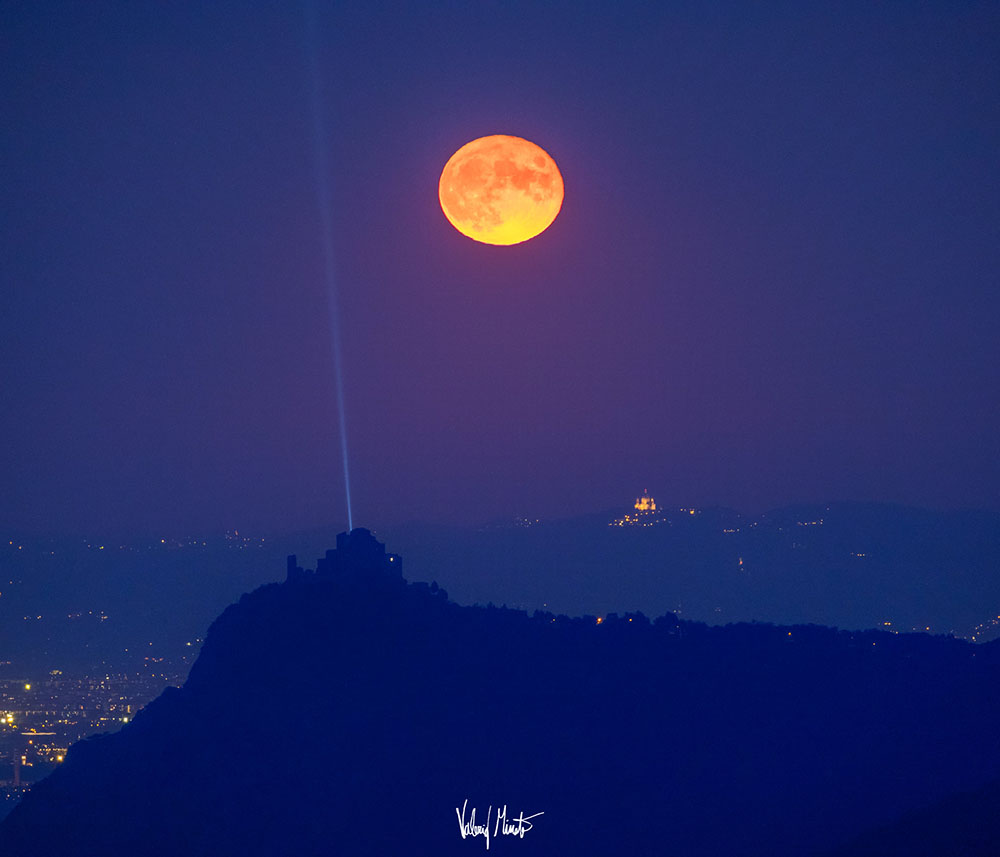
(644, 514)
(645, 503)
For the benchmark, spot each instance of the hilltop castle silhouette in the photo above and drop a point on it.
(358, 554)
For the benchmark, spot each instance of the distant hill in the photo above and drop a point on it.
(847, 565)
(347, 712)
(75, 606)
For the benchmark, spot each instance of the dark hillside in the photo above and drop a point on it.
(346, 712)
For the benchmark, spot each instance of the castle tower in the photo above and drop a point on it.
(360, 553)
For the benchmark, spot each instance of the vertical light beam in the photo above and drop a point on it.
(321, 165)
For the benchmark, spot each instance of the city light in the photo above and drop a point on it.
(62, 710)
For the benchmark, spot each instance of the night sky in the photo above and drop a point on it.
(773, 280)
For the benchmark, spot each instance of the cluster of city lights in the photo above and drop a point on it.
(645, 514)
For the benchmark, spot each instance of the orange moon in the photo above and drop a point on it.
(501, 190)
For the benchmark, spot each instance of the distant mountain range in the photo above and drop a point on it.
(347, 712)
(846, 565)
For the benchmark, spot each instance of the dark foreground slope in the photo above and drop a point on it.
(353, 714)
(963, 824)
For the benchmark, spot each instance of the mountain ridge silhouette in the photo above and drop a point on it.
(348, 712)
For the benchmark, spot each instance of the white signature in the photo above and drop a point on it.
(501, 826)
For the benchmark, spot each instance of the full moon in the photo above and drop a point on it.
(501, 190)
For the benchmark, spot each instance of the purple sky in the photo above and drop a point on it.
(774, 277)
